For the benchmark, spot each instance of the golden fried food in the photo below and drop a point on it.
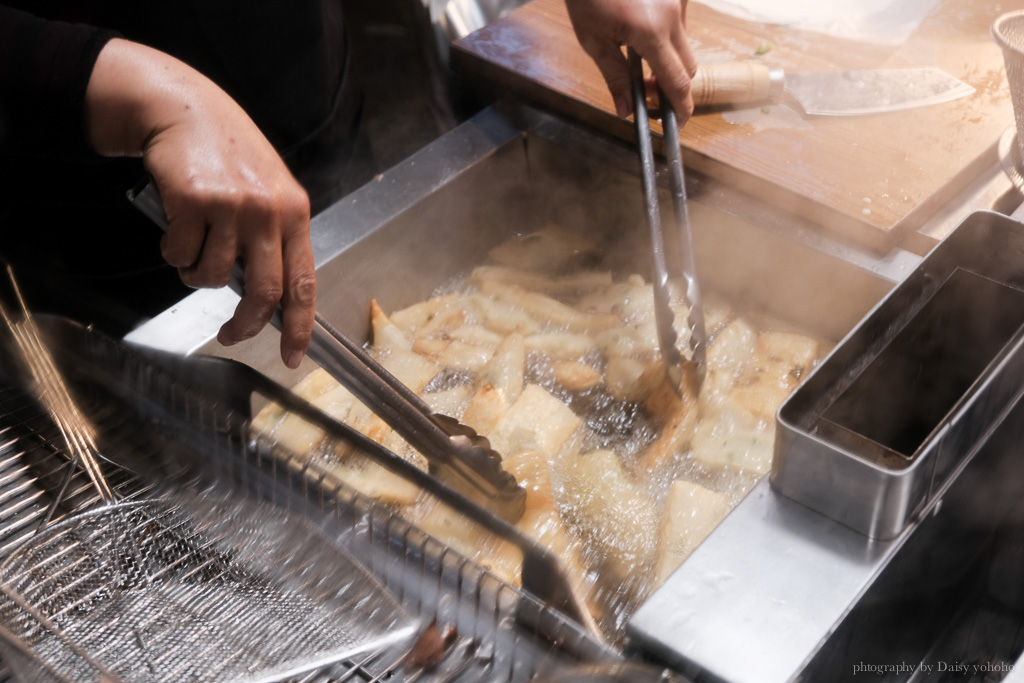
(561, 370)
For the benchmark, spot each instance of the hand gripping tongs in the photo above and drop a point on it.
(456, 454)
(680, 248)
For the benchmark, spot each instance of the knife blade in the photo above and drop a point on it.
(827, 93)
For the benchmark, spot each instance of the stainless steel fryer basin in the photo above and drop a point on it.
(512, 170)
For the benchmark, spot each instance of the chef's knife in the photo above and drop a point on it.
(827, 93)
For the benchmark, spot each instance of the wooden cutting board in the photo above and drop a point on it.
(871, 178)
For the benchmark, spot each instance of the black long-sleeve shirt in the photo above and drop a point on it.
(284, 61)
(63, 212)
(44, 70)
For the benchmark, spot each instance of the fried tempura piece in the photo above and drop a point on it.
(477, 335)
(506, 369)
(537, 421)
(540, 521)
(611, 513)
(735, 440)
(632, 380)
(314, 384)
(550, 249)
(414, 318)
(608, 300)
(691, 513)
(585, 281)
(532, 470)
(502, 317)
(561, 345)
(452, 353)
(292, 431)
(296, 434)
(410, 368)
(678, 418)
(781, 360)
(727, 359)
(499, 385)
(547, 311)
(470, 540)
(386, 335)
(336, 402)
(268, 418)
(450, 401)
(576, 376)
(485, 409)
(372, 480)
(447, 319)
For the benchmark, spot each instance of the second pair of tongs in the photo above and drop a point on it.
(457, 455)
(680, 249)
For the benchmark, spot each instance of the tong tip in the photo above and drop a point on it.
(685, 378)
(476, 471)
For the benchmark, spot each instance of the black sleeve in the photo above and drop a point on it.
(44, 70)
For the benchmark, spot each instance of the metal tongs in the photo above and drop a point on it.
(457, 455)
(680, 248)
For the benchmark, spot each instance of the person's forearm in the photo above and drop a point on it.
(136, 91)
(226, 192)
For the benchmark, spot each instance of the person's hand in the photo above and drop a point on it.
(226, 191)
(656, 29)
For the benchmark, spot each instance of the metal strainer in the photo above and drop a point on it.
(190, 587)
(1008, 34)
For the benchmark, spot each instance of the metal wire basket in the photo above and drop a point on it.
(175, 424)
(180, 588)
(144, 591)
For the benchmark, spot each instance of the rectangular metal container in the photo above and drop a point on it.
(876, 430)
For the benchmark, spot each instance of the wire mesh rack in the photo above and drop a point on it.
(174, 423)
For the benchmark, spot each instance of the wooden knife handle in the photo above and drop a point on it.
(735, 83)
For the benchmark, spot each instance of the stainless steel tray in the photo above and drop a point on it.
(876, 430)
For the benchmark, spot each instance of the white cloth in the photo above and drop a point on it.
(876, 21)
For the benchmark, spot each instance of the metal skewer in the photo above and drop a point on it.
(682, 246)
